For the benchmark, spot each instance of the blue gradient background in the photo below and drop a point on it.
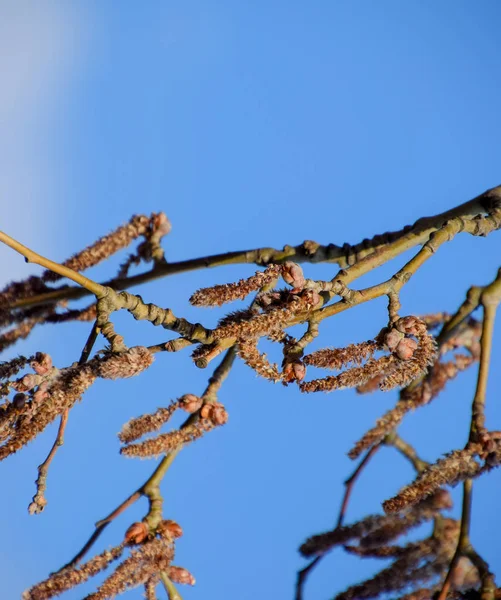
(249, 124)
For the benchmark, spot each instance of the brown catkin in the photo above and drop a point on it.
(59, 395)
(401, 573)
(383, 426)
(69, 578)
(408, 370)
(167, 441)
(12, 367)
(144, 424)
(218, 295)
(336, 358)
(265, 324)
(248, 352)
(454, 467)
(351, 378)
(142, 564)
(104, 247)
(125, 364)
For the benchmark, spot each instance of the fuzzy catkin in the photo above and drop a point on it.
(136, 428)
(336, 358)
(218, 295)
(142, 564)
(248, 352)
(69, 578)
(125, 364)
(454, 467)
(104, 247)
(351, 378)
(167, 441)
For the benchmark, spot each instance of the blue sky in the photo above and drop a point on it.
(249, 124)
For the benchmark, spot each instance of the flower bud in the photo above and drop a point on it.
(218, 415)
(161, 224)
(392, 339)
(137, 533)
(406, 348)
(409, 325)
(191, 403)
(215, 412)
(170, 528)
(205, 412)
(292, 274)
(180, 575)
(294, 371)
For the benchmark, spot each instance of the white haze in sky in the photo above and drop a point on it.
(42, 47)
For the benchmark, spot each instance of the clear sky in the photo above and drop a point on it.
(249, 124)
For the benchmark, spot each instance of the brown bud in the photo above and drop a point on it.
(215, 412)
(170, 528)
(410, 325)
(19, 400)
(191, 403)
(137, 533)
(406, 348)
(294, 371)
(180, 575)
(161, 224)
(392, 339)
(292, 274)
(218, 415)
(42, 363)
(206, 410)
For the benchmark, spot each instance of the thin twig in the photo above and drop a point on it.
(349, 484)
(39, 501)
(150, 487)
(170, 588)
(392, 244)
(463, 541)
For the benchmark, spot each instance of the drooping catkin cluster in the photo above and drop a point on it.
(149, 556)
(456, 466)
(22, 320)
(148, 423)
(408, 359)
(415, 563)
(399, 356)
(144, 563)
(144, 424)
(106, 246)
(48, 392)
(270, 313)
(151, 553)
(69, 578)
(211, 414)
(426, 389)
(377, 531)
